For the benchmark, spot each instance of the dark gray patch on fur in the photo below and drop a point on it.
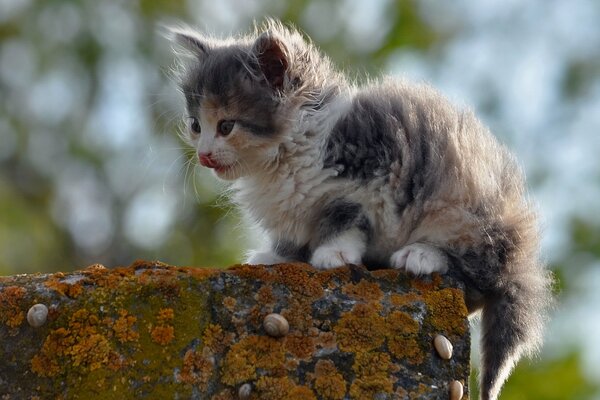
(255, 128)
(292, 251)
(419, 166)
(361, 144)
(372, 135)
(501, 242)
(340, 216)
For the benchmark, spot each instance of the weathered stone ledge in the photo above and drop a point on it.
(160, 332)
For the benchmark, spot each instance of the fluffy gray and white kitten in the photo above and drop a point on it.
(390, 174)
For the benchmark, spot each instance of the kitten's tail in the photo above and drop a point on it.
(512, 326)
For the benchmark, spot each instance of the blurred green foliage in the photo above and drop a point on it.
(556, 379)
(67, 173)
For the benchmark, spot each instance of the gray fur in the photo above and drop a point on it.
(339, 216)
(362, 145)
(291, 251)
(393, 163)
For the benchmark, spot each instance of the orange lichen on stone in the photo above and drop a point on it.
(402, 335)
(372, 363)
(255, 316)
(363, 290)
(199, 273)
(300, 393)
(372, 371)
(278, 388)
(99, 277)
(299, 313)
(361, 329)
(81, 344)
(299, 278)
(421, 392)
(334, 277)
(329, 383)
(198, 369)
(401, 393)
(123, 327)
(326, 340)
(401, 300)
(116, 361)
(229, 303)
(163, 333)
(44, 366)
(265, 295)
(165, 315)
(226, 394)
(429, 284)
(215, 339)
(10, 310)
(368, 388)
(299, 345)
(72, 290)
(447, 311)
(247, 271)
(249, 354)
(94, 268)
(386, 273)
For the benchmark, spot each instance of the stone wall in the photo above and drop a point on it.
(159, 332)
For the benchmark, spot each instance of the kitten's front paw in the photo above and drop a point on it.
(326, 257)
(264, 257)
(420, 259)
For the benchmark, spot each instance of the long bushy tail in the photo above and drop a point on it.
(512, 326)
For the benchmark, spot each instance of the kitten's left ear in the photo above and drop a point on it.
(271, 53)
(189, 40)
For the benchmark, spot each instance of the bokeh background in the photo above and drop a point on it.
(91, 169)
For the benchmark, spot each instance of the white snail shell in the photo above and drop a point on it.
(443, 347)
(37, 315)
(456, 390)
(245, 391)
(276, 325)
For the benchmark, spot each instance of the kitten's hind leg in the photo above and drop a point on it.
(420, 259)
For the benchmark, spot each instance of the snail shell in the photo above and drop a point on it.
(456, 390)
(245, 391)
(443, 347)
(276, 325)
(37, 315)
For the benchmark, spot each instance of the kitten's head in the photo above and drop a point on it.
(243, 94)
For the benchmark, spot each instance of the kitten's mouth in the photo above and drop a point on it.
(207, 161)
(221, 168)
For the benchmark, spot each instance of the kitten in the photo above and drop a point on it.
(390, 174)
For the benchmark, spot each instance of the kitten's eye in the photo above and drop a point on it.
(195, 125)
(224, 127)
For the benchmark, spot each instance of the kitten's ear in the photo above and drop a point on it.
(191, 41)
(271, 53)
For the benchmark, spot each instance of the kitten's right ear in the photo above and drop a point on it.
(271, 54)
(189, 40)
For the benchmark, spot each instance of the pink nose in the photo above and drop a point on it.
(207, 160)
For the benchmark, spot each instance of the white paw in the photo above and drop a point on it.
(264, 257)
(420, 259)
(331, 256)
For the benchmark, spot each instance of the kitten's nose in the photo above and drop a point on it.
(207, 160)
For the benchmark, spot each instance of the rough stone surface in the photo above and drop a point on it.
(155, 331)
